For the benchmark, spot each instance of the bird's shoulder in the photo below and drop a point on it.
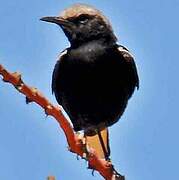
(127, 55)
(93, 50)
(129, 59)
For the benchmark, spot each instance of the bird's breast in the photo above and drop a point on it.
(92, 84)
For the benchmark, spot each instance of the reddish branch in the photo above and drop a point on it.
(75, 141)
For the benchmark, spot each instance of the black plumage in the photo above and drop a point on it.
(93, 78)
(94, 85)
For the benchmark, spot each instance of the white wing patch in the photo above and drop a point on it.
(127, 55)
(64, 52)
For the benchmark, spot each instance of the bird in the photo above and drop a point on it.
(94, 77)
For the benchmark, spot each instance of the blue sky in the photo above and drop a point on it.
(144, 142)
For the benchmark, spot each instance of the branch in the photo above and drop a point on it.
(75, 140)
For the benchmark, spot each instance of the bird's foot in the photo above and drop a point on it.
(116, 175)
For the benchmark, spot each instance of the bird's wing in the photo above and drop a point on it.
(131, 64)
(56, 77)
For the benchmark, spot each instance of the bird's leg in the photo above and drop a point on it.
(106, 154)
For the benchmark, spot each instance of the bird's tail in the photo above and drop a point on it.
(100, 143)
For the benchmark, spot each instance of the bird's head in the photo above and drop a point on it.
(82, 23)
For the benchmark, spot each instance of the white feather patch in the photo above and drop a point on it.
(127, 55)
(62, 54)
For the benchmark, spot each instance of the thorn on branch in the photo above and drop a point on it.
(48, 110)
(27, 100)
(30, 97)
(18, 76)
(77, 157)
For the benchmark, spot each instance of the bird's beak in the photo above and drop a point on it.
(57, 20)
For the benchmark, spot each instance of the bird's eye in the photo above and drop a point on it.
(83, 18)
